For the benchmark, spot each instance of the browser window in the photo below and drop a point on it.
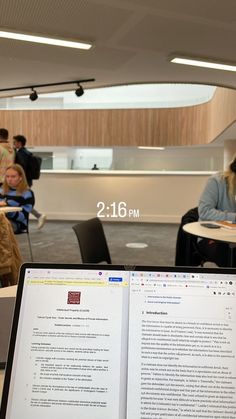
(182, 346)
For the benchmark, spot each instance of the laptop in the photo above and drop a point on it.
(122, 342)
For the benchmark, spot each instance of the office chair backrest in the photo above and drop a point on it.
(92, 241)
(186, 250)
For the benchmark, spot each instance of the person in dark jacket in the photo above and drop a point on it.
(22, 158)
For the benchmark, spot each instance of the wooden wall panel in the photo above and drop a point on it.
(191, 125)
(223, 111)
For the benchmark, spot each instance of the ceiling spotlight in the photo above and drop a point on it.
(33, 96)
(79, 91)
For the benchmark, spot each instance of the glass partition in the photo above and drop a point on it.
(132, 158)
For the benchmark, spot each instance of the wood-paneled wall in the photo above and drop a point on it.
(191, 125)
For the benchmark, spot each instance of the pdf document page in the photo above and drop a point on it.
(71, 349)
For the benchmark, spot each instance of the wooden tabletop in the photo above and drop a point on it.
(8, 291)
(2, 373)
(5, 209)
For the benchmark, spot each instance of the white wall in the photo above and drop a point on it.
(157, 197)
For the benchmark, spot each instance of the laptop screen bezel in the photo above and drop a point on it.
(20, 288)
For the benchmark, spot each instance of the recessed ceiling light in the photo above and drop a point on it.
(45, 40)
(202, 63)
(151, 148)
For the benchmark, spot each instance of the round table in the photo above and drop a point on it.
(219, 234)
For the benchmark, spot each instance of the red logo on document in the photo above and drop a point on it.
(73, 297)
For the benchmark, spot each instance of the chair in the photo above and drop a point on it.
(187, 252)
(26, 231)
(92, 241)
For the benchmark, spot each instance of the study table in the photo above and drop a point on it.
(218, 234)
(2, 374)
(5, 209)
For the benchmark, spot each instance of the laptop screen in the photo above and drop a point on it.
(113, 342)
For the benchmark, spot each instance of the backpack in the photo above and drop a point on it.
(34, 166)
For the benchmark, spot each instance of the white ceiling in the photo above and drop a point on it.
(132, 41)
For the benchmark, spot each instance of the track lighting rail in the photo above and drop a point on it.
(35, 86)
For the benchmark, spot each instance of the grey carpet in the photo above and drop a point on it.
(57, 243)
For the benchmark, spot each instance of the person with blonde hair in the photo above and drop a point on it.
(218, 203)
(15, 192)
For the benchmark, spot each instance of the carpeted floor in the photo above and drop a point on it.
(57, 242)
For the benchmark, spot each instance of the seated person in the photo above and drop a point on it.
(218, 203)
(15, 192)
